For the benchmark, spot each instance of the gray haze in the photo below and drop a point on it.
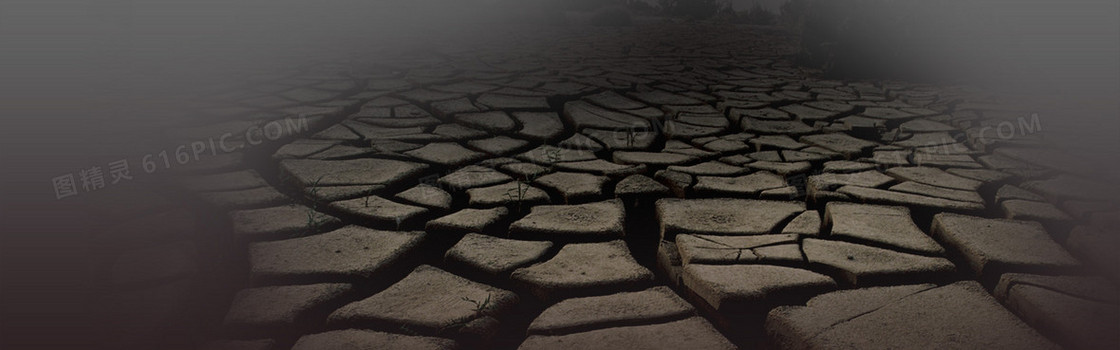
(75, 73)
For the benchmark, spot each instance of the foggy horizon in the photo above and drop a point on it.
(139, 50)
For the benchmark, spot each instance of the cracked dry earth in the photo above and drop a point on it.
(638, 189)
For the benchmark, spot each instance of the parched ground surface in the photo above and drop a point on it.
(658, 187)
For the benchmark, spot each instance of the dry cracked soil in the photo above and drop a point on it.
(677, 186)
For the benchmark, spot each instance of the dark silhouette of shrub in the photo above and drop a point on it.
(758, 15)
